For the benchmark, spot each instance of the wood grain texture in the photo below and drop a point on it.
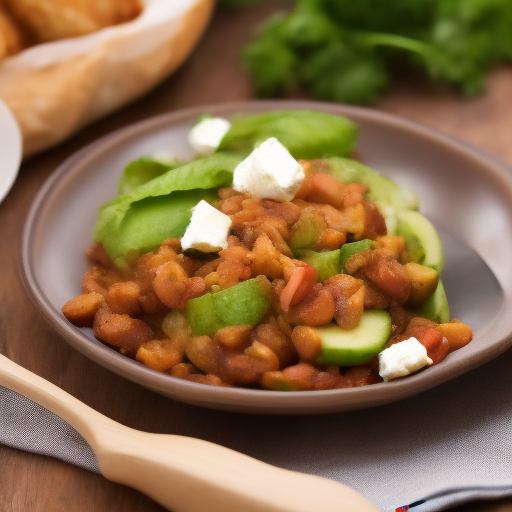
(213, 74)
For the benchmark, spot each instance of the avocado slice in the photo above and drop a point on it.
(421, 239)
(436, 307)
(356, 346)
(243, 304)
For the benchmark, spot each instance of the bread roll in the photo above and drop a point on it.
(49, 20)
(11, 39)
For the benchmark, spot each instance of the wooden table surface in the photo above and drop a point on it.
(213, 74)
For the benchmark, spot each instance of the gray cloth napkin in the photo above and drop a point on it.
(445, 447)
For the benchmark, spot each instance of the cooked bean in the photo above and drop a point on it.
(325, 189)
(174, 288)
(331, 239)
(121, 331)
(205, 354)
(161, 355)
(247, 368)
(286, 211)
(277, 237)
(263, 356)
(209, 380)
(176, 327)
(273, 337)
(393, 245)
(307, 342)
(388, 275)
(374, 223)
(423, 283)
(316, 309)
(457, 333)
(183, 370)
(375, 298)
(233, 336)
(124, 298)
(99, 279)
(80, 310)
(231, 272)
(265, 258)
(349, 294)
(236, 252)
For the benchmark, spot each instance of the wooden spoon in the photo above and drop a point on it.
(181, 473)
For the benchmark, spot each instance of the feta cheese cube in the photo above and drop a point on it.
(269, 171)
(204, 138)
(208, 229)
(402, 359)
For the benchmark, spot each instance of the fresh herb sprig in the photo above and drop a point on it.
(347, 51)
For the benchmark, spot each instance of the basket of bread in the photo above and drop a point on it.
(66, 63)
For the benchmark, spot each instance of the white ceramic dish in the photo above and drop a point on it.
(10, 150)
(466, 193)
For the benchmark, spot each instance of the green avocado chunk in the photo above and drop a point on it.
(243, 304)
(421, 239)
(343, 347)
(306, 134)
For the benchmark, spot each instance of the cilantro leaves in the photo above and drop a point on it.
(346, 51)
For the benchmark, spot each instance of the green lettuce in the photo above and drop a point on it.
(306, 134)
(161, 208)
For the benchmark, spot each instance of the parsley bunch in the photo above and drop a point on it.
(347, 51)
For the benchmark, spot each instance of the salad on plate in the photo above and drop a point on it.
(274, 259)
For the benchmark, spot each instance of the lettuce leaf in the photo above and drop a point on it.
(306, 134)
(160, 208)
(141, 171)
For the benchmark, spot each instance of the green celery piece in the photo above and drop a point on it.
(141, 171)
(306, 134)
(381, 189)
(207, 173)
(348, 250)
(327, 263)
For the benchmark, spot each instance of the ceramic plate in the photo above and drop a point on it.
(10, 149)
(467, 194)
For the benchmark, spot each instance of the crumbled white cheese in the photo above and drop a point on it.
(208, 229)
(402, 359)
(204, 138)
(269, 171)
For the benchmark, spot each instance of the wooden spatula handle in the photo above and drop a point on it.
(181, 473)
